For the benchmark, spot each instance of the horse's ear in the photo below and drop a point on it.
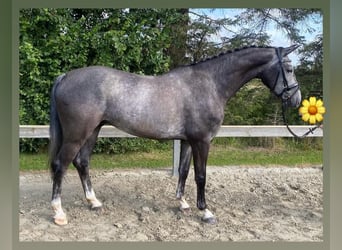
(288, 50)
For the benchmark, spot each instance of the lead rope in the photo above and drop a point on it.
(311, 130)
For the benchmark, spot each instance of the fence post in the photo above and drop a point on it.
(176, 157)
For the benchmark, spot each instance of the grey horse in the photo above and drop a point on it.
(187, 103)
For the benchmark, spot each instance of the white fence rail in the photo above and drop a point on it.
(42, 131)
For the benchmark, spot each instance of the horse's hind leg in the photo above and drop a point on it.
(58, 167)
(184, 166)
(81, 162)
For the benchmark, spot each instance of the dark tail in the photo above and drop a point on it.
(56, 135)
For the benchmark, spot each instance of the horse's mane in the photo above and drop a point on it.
(228, 52)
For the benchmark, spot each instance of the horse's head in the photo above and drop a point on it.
(280, 77)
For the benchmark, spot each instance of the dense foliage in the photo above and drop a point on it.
(149, 41)
(53, 41)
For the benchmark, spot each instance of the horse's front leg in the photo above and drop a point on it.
(183, 170)
(200, 153)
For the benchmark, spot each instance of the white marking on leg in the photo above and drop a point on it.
(91, 198)
(184, 206)
(60, 217)
(208, 216)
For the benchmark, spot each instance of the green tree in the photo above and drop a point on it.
(179, 32)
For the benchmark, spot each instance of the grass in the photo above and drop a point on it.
(220, 155)
(260, 156)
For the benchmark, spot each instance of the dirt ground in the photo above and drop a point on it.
(250, 203)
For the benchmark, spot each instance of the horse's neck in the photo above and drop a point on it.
(231, 71)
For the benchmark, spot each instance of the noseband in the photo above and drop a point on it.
(288, 90)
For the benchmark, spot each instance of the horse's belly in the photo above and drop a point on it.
(151, 130)
(149, 126)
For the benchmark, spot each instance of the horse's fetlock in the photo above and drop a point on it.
(201, 205)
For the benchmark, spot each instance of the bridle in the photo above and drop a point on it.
(289, 90)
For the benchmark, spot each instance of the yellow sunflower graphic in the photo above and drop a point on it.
(312, 110)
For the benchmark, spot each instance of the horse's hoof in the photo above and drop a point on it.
(184, 206)
(208, 217)
(95, 204)
(61, 221)
(210, 220)
(96, 208)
